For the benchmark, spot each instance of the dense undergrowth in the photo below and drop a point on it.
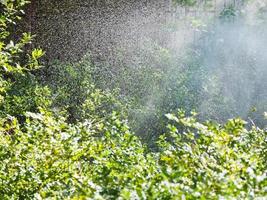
(73, 141)
(46, 157)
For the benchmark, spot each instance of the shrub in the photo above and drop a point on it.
(18, 89)
(49, 158)
(75, 94)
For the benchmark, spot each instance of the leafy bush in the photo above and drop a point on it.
(185, 2)
(49, 158)
(215, 161)
(75, 94)
(143, 93)
(162, 83)
(19, 91)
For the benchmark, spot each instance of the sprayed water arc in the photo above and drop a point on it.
(227, 77)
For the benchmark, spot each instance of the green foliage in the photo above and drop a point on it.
(75, 93)
(10, 13)
(143, 93)
(49, 158)
(228, 12)
(218, 161)
(162, 84)
(25, 95)
(18, 89)
(60, 160)
(185, 2)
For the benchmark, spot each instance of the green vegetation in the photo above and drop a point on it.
(185, 2)
(71, 140)
(48, 158)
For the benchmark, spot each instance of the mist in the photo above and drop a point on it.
(227, 77)
(210, 57)
(234, 57)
